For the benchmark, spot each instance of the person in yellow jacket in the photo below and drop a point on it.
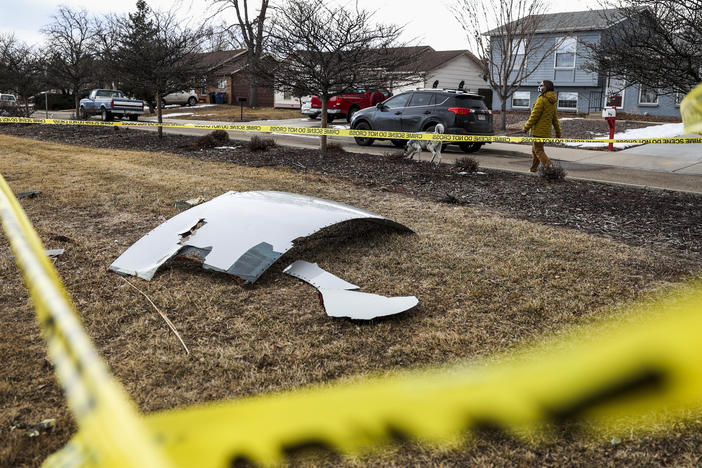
(543, 117)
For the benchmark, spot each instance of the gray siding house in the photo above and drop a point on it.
(579, 91)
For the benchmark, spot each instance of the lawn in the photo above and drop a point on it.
(227, 113)
(487, 283)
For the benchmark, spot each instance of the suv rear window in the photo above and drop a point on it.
(470, 102)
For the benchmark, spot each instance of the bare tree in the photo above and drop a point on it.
(70, 50)
(655, 43)
(324, 49)
(152, 54)
(252, 35)
(21, 69)
(517, 45)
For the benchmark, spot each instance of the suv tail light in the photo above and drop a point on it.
(112, 103)
(460, 110)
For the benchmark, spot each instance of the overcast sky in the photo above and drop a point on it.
(432, 25)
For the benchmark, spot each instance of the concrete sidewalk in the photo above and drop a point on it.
(677, 167)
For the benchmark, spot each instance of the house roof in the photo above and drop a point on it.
(215, 60)
(591, 20)
(436, 58)
(430, 59)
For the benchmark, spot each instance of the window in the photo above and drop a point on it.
(398, 101)
(287, 94)
(648, 96)
(385, 92)
(568, 101)
(222, 83)
(565, 52)
(521, 99)
(520, 55)
(421, 99)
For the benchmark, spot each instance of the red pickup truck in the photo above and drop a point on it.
(345, 104)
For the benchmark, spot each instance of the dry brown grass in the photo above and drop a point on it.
(485, 284)
(229, 113)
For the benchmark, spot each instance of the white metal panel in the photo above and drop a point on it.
(241, 233)
(313, 274)
(363, 306)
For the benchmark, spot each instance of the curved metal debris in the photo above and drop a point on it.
(363, 306)
(240, 233)
(339, 301)
(314, 275)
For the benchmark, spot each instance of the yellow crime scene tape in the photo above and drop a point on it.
(288, 130)
(641, 373)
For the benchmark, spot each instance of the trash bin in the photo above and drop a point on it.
(213, 98)
(221, 98)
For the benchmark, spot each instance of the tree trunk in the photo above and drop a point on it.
(159, 113)
(253, 93)
(76, 101)
(323, 138)
(503, 116)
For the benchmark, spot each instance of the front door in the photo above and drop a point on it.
(389, 118)
(420, 108)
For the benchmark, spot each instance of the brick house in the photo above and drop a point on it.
(227, 74)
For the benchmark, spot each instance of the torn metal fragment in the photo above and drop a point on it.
(339, 301)
(363, 306)
(49, 253)
(240, 233)
(28, 194)
(185, 204)
(311, 273)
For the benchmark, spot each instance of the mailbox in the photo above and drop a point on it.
(609, 112)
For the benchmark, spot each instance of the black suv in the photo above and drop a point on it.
(419, 111)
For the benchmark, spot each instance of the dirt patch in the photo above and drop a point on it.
(630, 215)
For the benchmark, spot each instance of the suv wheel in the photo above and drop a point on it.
(83, 114)
(330, 118)
(470, 147)
(352, 111)
(192, 101)
(163, 103)
(106, 116)
(362, 141)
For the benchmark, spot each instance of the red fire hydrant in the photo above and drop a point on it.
(610, 115)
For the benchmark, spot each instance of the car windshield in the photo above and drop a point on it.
(7, 97)
(109, 93)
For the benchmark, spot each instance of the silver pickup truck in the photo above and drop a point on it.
(109, 103)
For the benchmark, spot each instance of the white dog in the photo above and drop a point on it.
(416, 146)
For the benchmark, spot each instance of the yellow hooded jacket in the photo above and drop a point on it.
(543, 116)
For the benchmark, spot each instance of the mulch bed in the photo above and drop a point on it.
(634, 216)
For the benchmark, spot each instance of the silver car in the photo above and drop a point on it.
(184, 98)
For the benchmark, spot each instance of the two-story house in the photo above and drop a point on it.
(564, 37)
